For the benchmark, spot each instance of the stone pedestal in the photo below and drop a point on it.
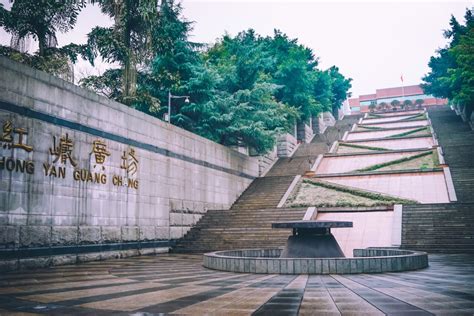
(318, 124)
(304, 132)
(329, 119)
(286, 145)
(312, 239)
(266, 161)
(312, 245)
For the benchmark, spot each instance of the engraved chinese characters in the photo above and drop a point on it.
(99, 149)
(63, 150)
(14, 138)
(129, 162)
(9, 141)
(63, 156)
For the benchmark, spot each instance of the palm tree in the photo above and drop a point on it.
(419, 103)
(394, 104)
(383, 105)
(407, 104)
(130, 40)
(40, 20)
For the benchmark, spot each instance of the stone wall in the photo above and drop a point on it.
(79, 169)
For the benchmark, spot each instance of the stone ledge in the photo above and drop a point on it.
(33, 252)
(57, 260)
(267, 261)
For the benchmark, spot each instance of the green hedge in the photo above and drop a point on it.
(409, 132)
(363, 147)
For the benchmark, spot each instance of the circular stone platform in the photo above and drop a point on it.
(267, 261)
(312, 239)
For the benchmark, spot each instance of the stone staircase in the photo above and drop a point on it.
(234, 229)
(306, 154)
(263, 193)
(248, 223)
(446, 228)
(457, 140)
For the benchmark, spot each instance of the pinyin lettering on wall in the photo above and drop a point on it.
(63, 160)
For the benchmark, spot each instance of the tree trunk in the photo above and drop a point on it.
(42, 45)
(129, 76)
(129, 79)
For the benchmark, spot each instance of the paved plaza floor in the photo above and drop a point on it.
(178, 284)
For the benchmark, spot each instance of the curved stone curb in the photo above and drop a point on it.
(267, 261)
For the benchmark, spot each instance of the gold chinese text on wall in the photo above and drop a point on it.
(62, 158)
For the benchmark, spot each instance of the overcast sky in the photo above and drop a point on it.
(372, 42)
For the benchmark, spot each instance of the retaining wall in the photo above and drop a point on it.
(79, 169)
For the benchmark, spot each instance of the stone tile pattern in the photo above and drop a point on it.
(174, 193)
(179, 285)
(267, 261)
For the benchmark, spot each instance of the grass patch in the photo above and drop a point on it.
(395, 162)
(363, 147)
(424, 128)
(306, 195)
(371, 128)
(361, 193)
(373, 115)
(323, 194)
(419, 116)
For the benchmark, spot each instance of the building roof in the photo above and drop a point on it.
(398, 91)
(354, 102)
(367, 97)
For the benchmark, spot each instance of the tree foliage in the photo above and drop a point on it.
(243, 89)
(451, 72)
(395, 103)
(41, 20)
(130, 42)
(406, 104)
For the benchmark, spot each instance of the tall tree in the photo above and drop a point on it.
(40, 19)
(340, 85)
(451, 73)
(130, 41)
(462, 77)
(323, 91)
(176, 62)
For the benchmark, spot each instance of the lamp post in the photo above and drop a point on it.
(170, 96)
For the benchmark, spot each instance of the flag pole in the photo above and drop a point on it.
(403, 87)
